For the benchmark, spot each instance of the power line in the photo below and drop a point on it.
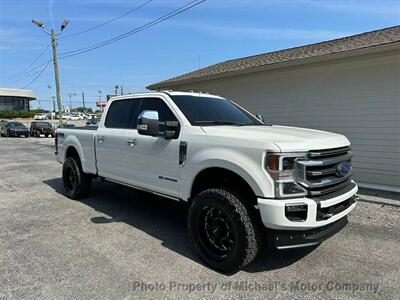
(112, 40)
(37, 58)
(133, 31)
(36, 77)
(107, 22)
(27, 69)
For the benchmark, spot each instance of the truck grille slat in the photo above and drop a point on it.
(324, 171)
(329, 152)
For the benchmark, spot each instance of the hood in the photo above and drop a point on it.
(285, 137)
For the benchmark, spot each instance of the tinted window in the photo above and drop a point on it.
(122, 114)
(15, 124)
(41, 125)
(207, 110)
(164, 113)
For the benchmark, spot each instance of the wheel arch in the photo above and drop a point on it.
(222, 177)
(71, 151)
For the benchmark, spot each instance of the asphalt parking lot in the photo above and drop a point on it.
(121, 243)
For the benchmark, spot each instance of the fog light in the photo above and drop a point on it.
(296, 212)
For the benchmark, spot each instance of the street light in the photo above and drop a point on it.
(38, 23)
(64, 24)
(53, 37)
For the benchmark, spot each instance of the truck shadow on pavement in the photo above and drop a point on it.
(164, 219)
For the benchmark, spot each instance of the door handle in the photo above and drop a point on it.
(131, 142)
(100, 139)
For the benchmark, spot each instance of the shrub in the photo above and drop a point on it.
(10, 114)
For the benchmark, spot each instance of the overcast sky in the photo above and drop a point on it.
(211, 32)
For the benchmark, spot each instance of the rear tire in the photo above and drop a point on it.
(224, 229)
(77, 184)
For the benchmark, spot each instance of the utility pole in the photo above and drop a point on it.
(100, 102)
(56, 78)
(53, 37)
(83, 101)
(54, 103)
(53, 111)
(70, 100)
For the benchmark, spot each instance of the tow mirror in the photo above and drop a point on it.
(260, 117)
(148, 123)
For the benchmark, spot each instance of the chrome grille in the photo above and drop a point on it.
(318, 173)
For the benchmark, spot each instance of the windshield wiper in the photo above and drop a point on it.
(219, 122)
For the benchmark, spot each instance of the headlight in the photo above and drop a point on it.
(281, 168)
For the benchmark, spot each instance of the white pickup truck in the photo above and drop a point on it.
(245, 181)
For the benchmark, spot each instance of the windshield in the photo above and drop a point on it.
(208, 111)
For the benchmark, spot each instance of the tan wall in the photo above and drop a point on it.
(358, 97)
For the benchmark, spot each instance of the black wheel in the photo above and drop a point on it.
(224, 229)
(77, 184)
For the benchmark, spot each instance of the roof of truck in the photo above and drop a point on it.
(168, 92)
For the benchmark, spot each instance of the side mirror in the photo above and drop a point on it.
(260, 117)
(148, 123)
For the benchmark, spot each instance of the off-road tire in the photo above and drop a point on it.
(77, 184)
(244, 223)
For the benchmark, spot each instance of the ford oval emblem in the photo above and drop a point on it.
(344, 168)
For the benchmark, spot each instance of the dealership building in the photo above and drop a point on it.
(349, 85)
(15, 99)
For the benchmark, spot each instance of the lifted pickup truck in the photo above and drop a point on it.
(243, 179)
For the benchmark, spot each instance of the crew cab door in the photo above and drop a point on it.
(142, 161)
(114, 153)
(155, 158)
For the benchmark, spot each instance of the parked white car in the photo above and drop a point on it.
(82, 116)
(243, 179)
(75, 117)
(41, 116)
(66, 116)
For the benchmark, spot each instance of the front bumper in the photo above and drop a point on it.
(273, 214)
(18, 133)
(283, 239)
(46, 132)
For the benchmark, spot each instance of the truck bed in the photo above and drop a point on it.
(84, 137)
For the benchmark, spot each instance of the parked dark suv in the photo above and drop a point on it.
(39, 128)
(14, 129)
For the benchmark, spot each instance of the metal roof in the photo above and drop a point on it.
(356, 42)
(18, 93)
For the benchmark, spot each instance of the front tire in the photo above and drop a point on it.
(77, 184)
(223, 229)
